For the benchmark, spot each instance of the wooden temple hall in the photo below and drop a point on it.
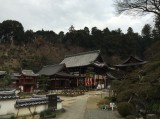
(26, 80)
(89, 65)
(57, 77)
(130, 64)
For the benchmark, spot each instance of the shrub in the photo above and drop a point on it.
(13, 117)
(111, 99)
(125, 109)
(46, 113)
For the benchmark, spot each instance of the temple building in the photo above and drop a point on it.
(57, 77)
(89, 65)
(130, 64)
(26, 81)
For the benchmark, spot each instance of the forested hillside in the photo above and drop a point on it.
(15, 58)
(21, 49)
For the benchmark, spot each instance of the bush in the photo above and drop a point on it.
(125, 109)
(111, 99)
(13, 117)
(46, 112)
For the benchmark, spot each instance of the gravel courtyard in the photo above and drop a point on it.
(85, 107)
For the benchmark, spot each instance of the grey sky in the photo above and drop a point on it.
(59, 15)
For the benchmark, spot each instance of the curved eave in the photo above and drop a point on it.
(131, 64)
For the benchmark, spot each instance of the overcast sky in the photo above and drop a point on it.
(59, 15)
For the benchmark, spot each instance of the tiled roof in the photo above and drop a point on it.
(131, 61)
(98, 64)
(58, 70)
(31, 101)
(42, 96)
(5, 95)
(35, 100)
(28, 73)
(81, 59)
(51, 69)
(14, 76)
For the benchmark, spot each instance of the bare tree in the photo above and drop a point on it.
(138, 6)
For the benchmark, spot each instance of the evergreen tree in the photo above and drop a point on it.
(147, 36)
(156, 30)
(12, 31)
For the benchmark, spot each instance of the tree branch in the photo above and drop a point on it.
(140, 6)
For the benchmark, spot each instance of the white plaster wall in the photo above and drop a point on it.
(59, 105)
(37, 108)
(7, 106)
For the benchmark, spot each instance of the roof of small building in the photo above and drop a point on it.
(81, 59)
(14, 76)
(131, 61)
(29, 73)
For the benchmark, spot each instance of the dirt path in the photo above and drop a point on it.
(75, 109)
(85, 107)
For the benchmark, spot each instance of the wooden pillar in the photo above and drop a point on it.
(77, 82)
(55, 83)
(98, 78)
(105, 86)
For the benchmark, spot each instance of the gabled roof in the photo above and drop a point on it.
(98, 64)
(51, 69)
(81, 59)
(28, 73)
(131, 61)
(14, 76)
(58, 70)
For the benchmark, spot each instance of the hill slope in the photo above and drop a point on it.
(15, 58)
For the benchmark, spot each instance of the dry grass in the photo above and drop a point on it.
(92, 101)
